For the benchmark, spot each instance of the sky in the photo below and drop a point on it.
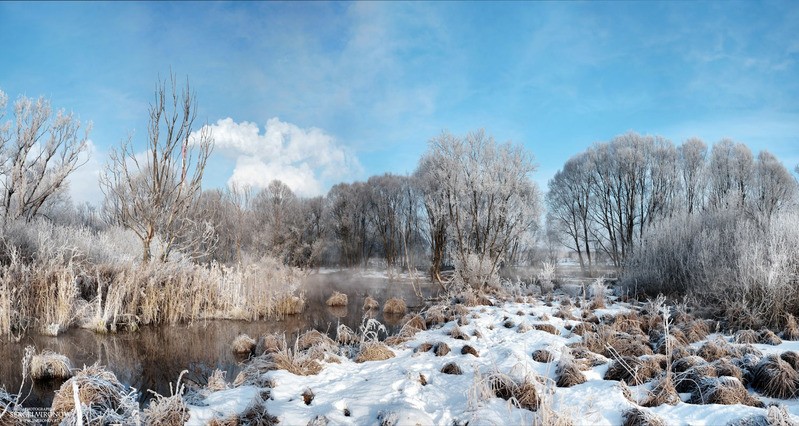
(317, 93)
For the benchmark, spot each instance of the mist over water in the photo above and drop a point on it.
(153, 357)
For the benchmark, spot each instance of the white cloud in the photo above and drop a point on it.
(307, 160)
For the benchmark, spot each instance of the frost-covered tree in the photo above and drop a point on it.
(346, 215)
(38, 151)
(488, 196)
(772, 188)
(569, 202)
(154, 193)
(692, 160)
(432, 195)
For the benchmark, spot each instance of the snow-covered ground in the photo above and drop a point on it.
(411, 389)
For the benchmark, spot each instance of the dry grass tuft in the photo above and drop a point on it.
(693, 331)
(509, 324)
(548, 328)
(568, 373)
(451, 368)
(315, 338)
(435, 316)
(611, 343)
(716, 349)
(256, 414)
(337, 299)
(98, 390)
(591, 358)
(346, 336)
(374, 351)
(370, 303)
(395, 306)
(775, 416)
(457, 333)
(167, 411)
(243, 344)
(270, 343)
(791, 358)
(14, 415)
(524, 328)
(308, 396)
(289, 305)
(631, 370)
(725, 368)
(416, 322)
(745, 336)
(775, 378)
(767, 337)
(791, 330)
(662, 392)
(582, 328)
(543, 356)
(216, 381)
(686, 363)
(564, 313)
(441, 349)
(49, 365)
(424, 347)
(638, 417)
(467, 349)
(523, 393)
(688, 380)
(722, 390)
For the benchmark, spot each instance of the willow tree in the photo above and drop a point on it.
(153, 193)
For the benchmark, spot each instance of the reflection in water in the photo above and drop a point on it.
(153, 357)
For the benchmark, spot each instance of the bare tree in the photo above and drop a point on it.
(152, 193)
(772, 188)
(37, 153)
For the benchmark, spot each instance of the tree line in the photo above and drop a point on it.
(603, 200)
(470, 202)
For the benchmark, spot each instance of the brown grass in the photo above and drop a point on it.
(725, 367)
(166, 411)
(775, 378)
(631, 370)
(662, 392)
(694, 331)
(716, 349)
(686, 363)
(243, 344)
(289, 305)
(49, 365)
(523, 393)
(524, 328)
(435, 316)
(767, 337)
(98, 389)
(639, 417)
(395, 306)
(688, 380)
(216, 381)
(543, 356)
(337, 299)
(374, 351)
(457, 333)
(791, 358)
(791, 330)
(424, 347)
(441, 349)
(370, 303)
(722, 390)
(467, 349)
(308, 396)
(270, 343)
(568, 374)
(314, 338)
(416, 322)
(451, 368)
(746, 336)
(548, 328)
(345, 335)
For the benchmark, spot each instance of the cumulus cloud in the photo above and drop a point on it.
(307, 160)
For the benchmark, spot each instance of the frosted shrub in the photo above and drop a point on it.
(723, 258)
(475, 271)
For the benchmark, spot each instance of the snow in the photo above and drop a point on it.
(349, 393)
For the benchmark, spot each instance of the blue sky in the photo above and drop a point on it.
(316, 93)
